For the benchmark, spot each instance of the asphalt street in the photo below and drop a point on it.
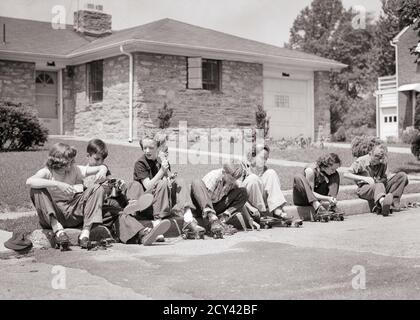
(364, 257)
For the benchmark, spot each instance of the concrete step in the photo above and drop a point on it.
(350, 207)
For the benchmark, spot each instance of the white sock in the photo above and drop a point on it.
(84, 234)
(188, 216)
(55, 225)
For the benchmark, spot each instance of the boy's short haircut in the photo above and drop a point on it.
(97, 146)
(328, 160)
(256, 149)
(379, 151)
(234, 169)
(156, 137)
(60, 156)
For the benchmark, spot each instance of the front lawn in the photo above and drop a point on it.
(397, 161)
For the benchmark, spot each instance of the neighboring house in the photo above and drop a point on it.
(396, 95)
(88, 80)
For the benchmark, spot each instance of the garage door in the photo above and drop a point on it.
(286, 102)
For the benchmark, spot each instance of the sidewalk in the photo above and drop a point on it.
(402, 150)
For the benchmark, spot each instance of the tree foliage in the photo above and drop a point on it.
(327, 29)
(409, 13)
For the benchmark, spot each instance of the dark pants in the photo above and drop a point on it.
(169, 199)
(84, 210)
(303, 194)
(233, 201)
(373, 193)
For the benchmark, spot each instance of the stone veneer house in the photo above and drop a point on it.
(87, 80)
(397, 95)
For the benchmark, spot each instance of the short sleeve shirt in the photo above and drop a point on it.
(74, 176)
(90, 180)
(363, 167)
(145, 168)
(214, 184)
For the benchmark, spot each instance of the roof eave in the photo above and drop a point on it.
(136, 45)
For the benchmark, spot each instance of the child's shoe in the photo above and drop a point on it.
(321, 215)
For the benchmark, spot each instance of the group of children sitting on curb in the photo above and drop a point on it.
(67, 195)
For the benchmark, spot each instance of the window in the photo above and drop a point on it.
(44, 78)
(386, 119)
(281, 101)
(395, 118)
(95, 80)
(211, 74)
(204, 74)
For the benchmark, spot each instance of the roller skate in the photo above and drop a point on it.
(386, 205)
(101, 235)
(335, 213)
(321, 215)
(226, 217)
(288, 221)
(216, 229)
(61, 242)
(193, 231)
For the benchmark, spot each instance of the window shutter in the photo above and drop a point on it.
(195, 80)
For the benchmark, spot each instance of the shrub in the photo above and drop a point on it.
(20, 128)
(409, 134)
(340, 135)
(164, 116)
(363, 130)
(362, 145)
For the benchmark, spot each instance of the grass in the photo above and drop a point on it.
(16, 167)
(396, 161)
(23, 224)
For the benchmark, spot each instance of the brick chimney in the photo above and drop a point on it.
(92, 21)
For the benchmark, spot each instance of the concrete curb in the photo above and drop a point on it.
(350, 207)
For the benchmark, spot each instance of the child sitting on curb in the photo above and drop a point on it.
(382, 190)
(219, 194)
(263, 185)
(171, 195)
(320, 182)
(58, 196)
(118, 208)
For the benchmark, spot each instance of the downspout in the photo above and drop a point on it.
(130, 92)
(398, 93)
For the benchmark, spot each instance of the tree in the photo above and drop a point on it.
(410, 15)
(387, 27)
(326, 29)
(314, 27)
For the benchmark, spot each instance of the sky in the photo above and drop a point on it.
(267, 21)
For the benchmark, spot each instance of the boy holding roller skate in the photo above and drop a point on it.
(171, 195)
(121, 202)
(217, 196)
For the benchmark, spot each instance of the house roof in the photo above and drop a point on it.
(27, 36)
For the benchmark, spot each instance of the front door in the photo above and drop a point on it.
(46, 100)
